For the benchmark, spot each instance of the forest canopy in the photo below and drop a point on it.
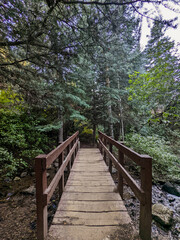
(68, 65)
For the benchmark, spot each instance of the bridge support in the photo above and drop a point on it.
(41, 185)
(145, 208)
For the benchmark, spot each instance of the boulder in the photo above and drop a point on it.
(170, 188)
(162, 214)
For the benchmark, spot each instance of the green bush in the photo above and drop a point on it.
(20, 141)
(86, 135)
(9, 165)
(165, 163)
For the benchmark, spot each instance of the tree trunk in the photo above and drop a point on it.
(60, 134)
(94, 134)
(121, 129)
(109, 107)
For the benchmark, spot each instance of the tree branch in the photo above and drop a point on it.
(111, 2)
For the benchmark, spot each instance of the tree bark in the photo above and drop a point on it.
(121, 120)
(60, 134)
(109, 106)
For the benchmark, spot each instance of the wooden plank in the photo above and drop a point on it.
(91, 219)
(63, 232)
(89, 178)
(87, 189)
(80, 206)
(91, 196)
(88, 183)
(80, 173)
(89, 208)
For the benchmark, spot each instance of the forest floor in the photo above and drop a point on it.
(18, 210)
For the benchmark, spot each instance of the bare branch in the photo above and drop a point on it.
(111, 2)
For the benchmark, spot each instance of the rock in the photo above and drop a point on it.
(48, 175)
(48, 168)
(56, 165)
(30, 190)
(17, 179)
(177, 228)
(178, 208)
(127, 195)
(162, 214)
(33, 174)
(171, 198)
(114, 170)
(170, 188)
(23, 174)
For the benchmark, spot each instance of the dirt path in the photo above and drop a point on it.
(18, 218)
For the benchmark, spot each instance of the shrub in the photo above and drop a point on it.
(9, 165)
(165, 163)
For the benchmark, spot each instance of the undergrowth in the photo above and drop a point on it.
(165, 164)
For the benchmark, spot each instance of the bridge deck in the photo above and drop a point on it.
(89, 208)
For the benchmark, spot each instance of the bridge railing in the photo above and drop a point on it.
(44, 192)
(142, 192)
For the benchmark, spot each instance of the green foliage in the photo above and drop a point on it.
(85, 131)
(20, 141)
(9, 164)
(165, 163)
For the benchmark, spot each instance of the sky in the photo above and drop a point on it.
(167, 15)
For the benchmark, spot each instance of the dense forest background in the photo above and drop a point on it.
(74, 65)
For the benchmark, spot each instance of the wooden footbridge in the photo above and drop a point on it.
(90, 206)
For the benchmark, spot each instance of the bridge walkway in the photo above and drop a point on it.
(89, 208)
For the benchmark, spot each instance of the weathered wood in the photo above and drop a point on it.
(145, 209)
(85, 206)
(136, 157)
(49, 191)
(41, 185)
(44, 193)
(61, 181)
(91, 218)
(143, 193)
(110, 162)
(70, 232)
(89, 200)
(120, 177)
(53, 155)
(89, 189)
(131, 182)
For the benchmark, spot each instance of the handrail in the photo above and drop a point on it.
(44, 192)
(143, 192)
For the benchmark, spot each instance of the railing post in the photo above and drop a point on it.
(110, 162)
(69, 164)
(105, 151)
(73, 155)
(120, 177)
(100, 146)
(61, 182)
(145, 209)
(41, 185)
